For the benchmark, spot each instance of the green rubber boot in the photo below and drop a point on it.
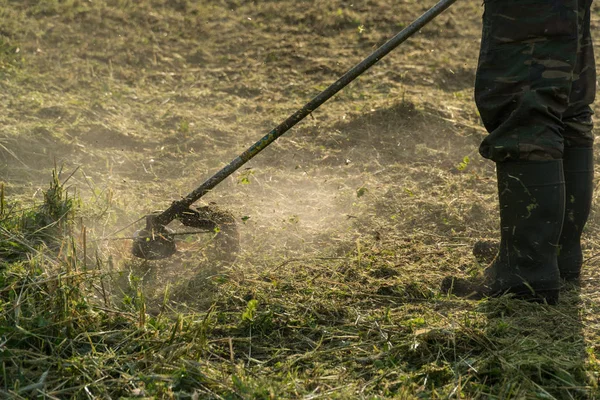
(578, 165)
(532, 207)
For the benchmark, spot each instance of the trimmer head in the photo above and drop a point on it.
(154, 242)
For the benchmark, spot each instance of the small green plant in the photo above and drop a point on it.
(244, 177)
(463, 164)
(184, 127)
(250, 311)
(40, 226)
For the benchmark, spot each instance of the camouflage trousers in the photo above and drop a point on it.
(536, 78)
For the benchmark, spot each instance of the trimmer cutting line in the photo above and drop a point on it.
(156, 240)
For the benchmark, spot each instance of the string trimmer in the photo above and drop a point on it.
(157, 241)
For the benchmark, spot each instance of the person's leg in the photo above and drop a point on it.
(578, 152)
(524, 78)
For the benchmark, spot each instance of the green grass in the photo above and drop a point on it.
(348, 224)
(307, 329)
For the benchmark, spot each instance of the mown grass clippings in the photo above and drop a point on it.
(310, 330)
(347, 225)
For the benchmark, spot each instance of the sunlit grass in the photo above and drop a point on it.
(348, 223)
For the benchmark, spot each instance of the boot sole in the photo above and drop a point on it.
(471, 291)
(522, 292)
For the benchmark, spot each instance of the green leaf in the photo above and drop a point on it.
(361, 191)
(464, 163)
(248, 314)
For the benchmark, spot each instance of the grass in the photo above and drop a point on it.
(348, 224)
(349, 327)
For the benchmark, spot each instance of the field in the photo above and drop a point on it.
(112, 109)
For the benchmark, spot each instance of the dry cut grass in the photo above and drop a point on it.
(351, 326)
(347, 224)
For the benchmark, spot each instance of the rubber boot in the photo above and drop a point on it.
(578, 165)
(532, 207)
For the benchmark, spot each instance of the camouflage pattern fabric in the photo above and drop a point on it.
(536, 78)
(578, 116)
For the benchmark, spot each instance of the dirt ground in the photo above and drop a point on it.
(149, 100)
(142, 101)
